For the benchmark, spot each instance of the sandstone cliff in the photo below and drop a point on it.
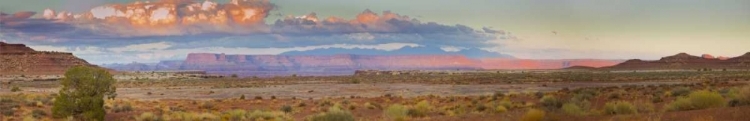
(18, 59)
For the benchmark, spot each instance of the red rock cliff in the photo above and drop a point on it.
(17, 59)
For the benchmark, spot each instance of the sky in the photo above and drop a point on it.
(122, 31)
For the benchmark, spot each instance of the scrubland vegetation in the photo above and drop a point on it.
(709, 96)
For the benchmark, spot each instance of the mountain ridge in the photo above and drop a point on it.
(685, 61)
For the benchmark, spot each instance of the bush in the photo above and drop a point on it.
(550, 102)
(421, 109)
(681, 91)
(15, 89)
(506, 104)
(38, 113)
(207, 106)
(369, 105)
(698, 100)
(234, 115)
(501, 109)
(333, 114)
(743, 96)
(481, 108)
(82, 94)
(572, 109)
(268, 116)
(396, 112)
(533, 115)
(122, 108)
(286, 109)
(148, 116)
(619, 107)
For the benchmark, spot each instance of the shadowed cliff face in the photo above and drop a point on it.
(17, 59)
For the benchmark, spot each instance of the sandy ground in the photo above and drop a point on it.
(317, 91)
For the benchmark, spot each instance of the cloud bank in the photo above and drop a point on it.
(177, 27)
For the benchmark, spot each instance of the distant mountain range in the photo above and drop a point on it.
(346, 64)
(20, 59)
(469, 52)
(685, 61)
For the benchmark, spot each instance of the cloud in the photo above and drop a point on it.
(190, 19)
(451, 48)
(173, 28)
(155, 52)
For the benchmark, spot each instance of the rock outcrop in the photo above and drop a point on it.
(685, 61)
(18, 59)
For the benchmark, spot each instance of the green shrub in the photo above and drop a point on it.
(122, 108)
(533, 115)
(333, 114)
(286, 109)
(644, 107)
(550, 102)
(148, 116)
(743, 95)
(619, 107)
(501, 109)
(207, 105)
(506, 104)
(369, 105)
(681, 91)
(234, 115)
(268, 116)
(698, 100)
(421, 109)
(481, 108)
(36, 113)
(396, 112)
(15, 89)
(657, 99)
(572, 109)
(82, 94)
(680, 104)
(617, 94)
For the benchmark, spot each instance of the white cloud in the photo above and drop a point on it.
(451, 48)
(360, 36)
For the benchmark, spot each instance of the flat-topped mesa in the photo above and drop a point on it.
(14, 48)
(18, 59)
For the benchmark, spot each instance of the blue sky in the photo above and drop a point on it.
(536, 29)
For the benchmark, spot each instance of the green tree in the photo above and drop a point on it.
(82, 94)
